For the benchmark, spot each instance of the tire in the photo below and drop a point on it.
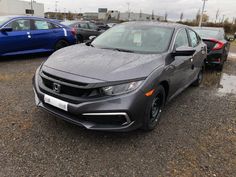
(199, 79)
(80, 39)
(154, 109)
(61, 44)
(220, 67)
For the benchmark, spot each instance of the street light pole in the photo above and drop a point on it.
(203, 9)
(31, 4)
(128, 10)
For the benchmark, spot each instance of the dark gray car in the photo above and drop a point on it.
(121, 80)
(84, 29)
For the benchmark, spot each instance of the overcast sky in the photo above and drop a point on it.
(172, 7)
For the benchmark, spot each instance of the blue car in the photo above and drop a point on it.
(27, 35)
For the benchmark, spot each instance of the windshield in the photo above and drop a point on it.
(4, 20)
(207, 33)
(135, 38)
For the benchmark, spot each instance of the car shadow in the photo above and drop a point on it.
(24, 57)
(211, 78)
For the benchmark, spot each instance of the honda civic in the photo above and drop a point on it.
(217, 45)
(121, 80)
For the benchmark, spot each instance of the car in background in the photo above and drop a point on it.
(110, 25)
(217, 45)
(27, 35)
(122, 79)
(84, 29)
(101, 25)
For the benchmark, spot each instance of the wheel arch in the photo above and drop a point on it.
(166, 86)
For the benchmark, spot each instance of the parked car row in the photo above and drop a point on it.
(119, 80)
(84, 29)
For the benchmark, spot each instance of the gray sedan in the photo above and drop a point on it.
(121, 80)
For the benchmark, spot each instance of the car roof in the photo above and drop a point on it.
(156, 23)
(14, 17)
(25, 16)
(209, 28)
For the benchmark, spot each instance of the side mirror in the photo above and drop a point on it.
(6, 29)
(183, 51)
(91, 39)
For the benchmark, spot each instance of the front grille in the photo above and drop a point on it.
(72, 88)
(65, 80)
(106, 120)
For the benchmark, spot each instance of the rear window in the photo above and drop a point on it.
(68, 23)
(43, 25)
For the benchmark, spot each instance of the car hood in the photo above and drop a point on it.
(102, 64)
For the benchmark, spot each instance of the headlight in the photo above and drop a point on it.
(121, 89)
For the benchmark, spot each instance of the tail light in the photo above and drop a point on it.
(219, 45)
(73, 31)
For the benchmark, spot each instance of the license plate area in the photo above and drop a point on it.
(56, 102)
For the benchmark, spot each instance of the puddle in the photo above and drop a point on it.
(232, 55)
(227, 84)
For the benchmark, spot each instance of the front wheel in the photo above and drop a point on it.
(60, 44)
(154, 109)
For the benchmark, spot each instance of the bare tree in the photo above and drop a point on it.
(140, 14)
(181, 17)
(153, 15)
(234, 20)
(166, 16)
(198, 15)
(217, 15)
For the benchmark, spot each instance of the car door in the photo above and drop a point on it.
(181, 65)
(45, 34)
(83, 30)
(198, 57)
(17, 40)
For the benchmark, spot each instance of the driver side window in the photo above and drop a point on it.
(182, 39)
(20, 25)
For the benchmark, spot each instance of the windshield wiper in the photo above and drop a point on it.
(120, 50)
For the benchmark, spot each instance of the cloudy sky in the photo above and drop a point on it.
(172, 7)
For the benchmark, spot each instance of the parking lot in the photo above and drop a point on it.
(196, 136)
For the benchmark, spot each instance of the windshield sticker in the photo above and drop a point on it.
(138, 38)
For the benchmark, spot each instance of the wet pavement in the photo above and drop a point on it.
(227, 83)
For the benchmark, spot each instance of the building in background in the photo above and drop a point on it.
(131, 16)
(18, 7)
(114, 15)
(105, 15)
(102, 13)
(63, 15)
(90, 16)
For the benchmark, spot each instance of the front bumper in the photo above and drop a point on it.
(119, 113)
